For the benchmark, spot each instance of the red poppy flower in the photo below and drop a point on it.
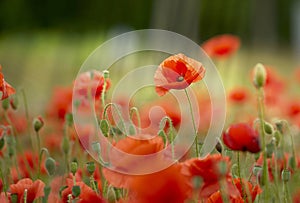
(92, 81)
(238, 95)
(242, 137)
(134, 145)
(293, 109)
(5, 89)
(60, 102)
(34, 189)
(254, 191)
(208, 170)
(221, 46)
(177, 72)
(87, 194)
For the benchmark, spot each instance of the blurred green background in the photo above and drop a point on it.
(44, 43)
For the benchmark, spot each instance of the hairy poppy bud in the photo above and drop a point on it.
(256, 170)
(38, 123)
(74, 167)
(90, 167)
(65, 145)
(268, 128)
(76, 190)
(104, 126)
(286, 175)
(14, 102)
(69, 119)
(260, 75)
(96, 147)
(106, 74)
(50, 166)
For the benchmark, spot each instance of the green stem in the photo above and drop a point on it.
(40, 159)
(262, 133)
(194, 125)
(103, 93)
(162, 125)
(27, 116)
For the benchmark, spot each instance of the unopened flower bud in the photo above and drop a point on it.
(76, 190)
(285, 175)
(106, 74)
(2, 142)
(50, 166)
(277, 136)
(269, 150)
(38, 123)
(256, 170)
(104, 126)
(14, 102)
(260, 75)
(65, 145)
(96, 147)
(292, 162)
(268, 128)
(90, 167)
(74, 167)
(69, 119)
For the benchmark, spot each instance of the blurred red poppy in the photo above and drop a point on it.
(238, 95)
(209, 170)
(34, 189)
(221, 46)
(242, 137)
(254, 191)
(167, 185)
(177, 72)
(92, 81)
(5, 89)
(60, 102)
(87, 194)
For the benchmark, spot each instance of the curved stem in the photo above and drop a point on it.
(136, 111)
(193, 121)
(118, 112)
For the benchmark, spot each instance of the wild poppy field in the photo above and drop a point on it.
(130, 151)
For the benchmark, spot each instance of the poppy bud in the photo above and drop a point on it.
(38, 123)
(14, 198)
(131, 130)
(270, 150)
(219, 147)
(259, 75)
(91, 167)
(285, 175)
(256, 170)
(50, 166)
(2, 142)
(279, 125)
(14, 102)
(96, 147)
(5, 104)
(268, 128)
(292, 162)
(74, 167)
(69, 119)
(76, 190)
(106, 74)
(104, 126)
(65, 145)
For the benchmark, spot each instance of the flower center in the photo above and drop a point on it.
(180, 79)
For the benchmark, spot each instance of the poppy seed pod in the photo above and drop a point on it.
(76, 190)
(260, 76)
(286, 175)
